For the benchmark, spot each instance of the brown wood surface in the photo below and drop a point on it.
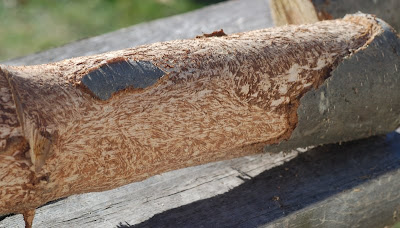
(293, 12)
(139, 201)
(221, 97)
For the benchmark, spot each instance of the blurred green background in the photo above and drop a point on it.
(28, 26)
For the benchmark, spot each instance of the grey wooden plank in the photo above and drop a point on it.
(138, 202)
(351, 185)
(388, 10)
(232, 16)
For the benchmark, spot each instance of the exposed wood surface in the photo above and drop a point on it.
(137, 202)
(293, 12)
(220, 98)
(173, 197)
(349, 103)
(350, 185)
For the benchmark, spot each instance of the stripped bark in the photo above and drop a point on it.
(69, 127)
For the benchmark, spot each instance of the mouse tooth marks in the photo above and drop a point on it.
(116, 76)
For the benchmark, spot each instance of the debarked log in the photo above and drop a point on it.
(98, 122)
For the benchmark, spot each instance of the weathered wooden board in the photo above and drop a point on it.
(329, 179)
(140, 201)
(350, 185)
(388, 10)
(232, 16)
(308, 11)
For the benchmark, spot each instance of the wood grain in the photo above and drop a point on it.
(220, 95)
(293, 12)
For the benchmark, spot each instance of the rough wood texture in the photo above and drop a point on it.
(293, 12)
(350, 185)
(139, 201)
(338, 110)
(221, 97)
(10, 127)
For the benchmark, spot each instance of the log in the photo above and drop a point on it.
(67, 132)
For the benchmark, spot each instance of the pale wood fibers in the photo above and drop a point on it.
(221, 97)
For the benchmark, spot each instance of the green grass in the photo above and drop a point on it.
(397, 225)
(28, 26)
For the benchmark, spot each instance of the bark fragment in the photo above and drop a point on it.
(121, 75)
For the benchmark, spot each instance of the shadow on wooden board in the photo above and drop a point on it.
(335, 173)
